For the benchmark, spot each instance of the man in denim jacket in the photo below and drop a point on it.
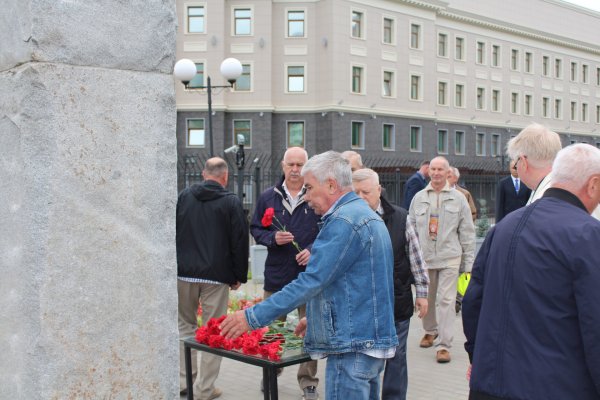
(347, 286)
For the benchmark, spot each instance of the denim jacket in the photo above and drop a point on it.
(347, 286)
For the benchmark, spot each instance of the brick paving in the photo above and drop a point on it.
(427, 380)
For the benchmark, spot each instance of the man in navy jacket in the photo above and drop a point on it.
(508, 199)
(415, 184)
(531, 314)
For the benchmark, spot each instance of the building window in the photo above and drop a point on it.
(295, 23)
(528, 62)
(415, 87)
(459, 94)
(584, 112)
(598, 76)
(244, 128)
(388, 31)
(584, 73)
(195, 19)
(514, 102)
(558, 68)
(442, 145)
(573, 71)
(357, 80)
(527, 104)
(243, 21)
(295, 79)
(546, 66)
(244, 82)
(480, 144)
(442, 93)
(573, 116)
(459, 51)
(598, 114)
(495, 100)
(480, 98)
(495, 146)
(557, 108)
(546, 107)
(442, 45)
(388, 137)
(415, 36)
(295, 133)
(514, 59)
(480, 59)
(459, 142)
(496, 56)
(357, 28)
(195, 132)
(388, 83)
(358, 135)
(415, 138)
(198, 80)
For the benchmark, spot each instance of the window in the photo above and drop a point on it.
(527, 104)
(557, 108)
(388, 137)
(358, 135)
(558, 68)
(573, 116)
(295, 79)
(295, 133)
(459, 51)
(415, 138)
(545, 107)
(495, 146)
(546, 66)
(480, 144)
(514, 59)
(388, 31)
(357, 80)
(480, 98)
(480, 59)
(244, 82)
(459, 100)
(598, 114)
(528, 62)
(388, 84)
(442, 145)
(514, 102)
(573, 71)
(415, 87)
(496, 56)
(295, 23)
(195, 19)
(415, 36)
(598, 76)
(357, 28)
(495, 100)
(244, 128)
(442, 45)
(242, 21)
(584, 112)
(198, 80)
(459, 142)
(442, 93)
(584, 73)
(195, 132)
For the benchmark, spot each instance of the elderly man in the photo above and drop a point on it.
(447, 235)
(453, 176)
(354, 159)
(347, 286)
(409, 267)
(531, 314)
(415, 183)
(285, 261)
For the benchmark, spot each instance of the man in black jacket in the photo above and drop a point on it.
(212, 257)
(409, 268)
(511, 194)
(415, 184)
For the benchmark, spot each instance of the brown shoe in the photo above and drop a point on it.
(427, 340)
(215, 393)
(443, 356)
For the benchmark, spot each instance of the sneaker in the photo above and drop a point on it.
(310, 393)
(215, 393)
(427, 340)
(443, 356)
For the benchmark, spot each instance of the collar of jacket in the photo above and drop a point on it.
(565, 195)
(284, 199)
(344, 199)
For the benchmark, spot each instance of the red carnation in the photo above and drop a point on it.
(267, 219)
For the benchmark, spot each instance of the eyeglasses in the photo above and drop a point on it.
(517, 162)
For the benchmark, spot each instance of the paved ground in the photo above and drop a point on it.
(427, 380)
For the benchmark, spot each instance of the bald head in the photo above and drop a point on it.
(293, 161)
(215, 169)
(354, 159)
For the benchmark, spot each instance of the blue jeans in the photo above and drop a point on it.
(352, 376)
(395, 377)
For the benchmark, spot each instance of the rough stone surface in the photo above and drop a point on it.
(88, 194)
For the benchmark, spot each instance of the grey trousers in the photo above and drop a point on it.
(442, 300)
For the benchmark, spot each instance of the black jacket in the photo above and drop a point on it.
(212, 234)
(413, 185)
(395, 220)
(507, 199)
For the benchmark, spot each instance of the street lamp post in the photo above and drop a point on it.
(185, 70)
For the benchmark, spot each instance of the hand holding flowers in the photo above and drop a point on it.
(282, 235)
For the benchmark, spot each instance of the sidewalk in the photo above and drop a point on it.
(427, 380)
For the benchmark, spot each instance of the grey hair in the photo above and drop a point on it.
(538, 143)
(348, 154)
(327, 165)
(455, 172)
(365, 174)
(575, 164)
(295, 148)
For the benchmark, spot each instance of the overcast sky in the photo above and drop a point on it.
(593, 4)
